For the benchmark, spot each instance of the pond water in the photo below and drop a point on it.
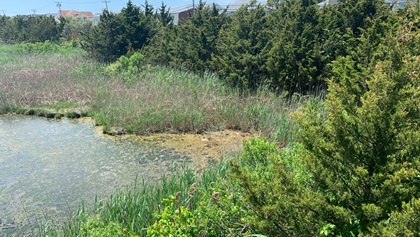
(48, 167)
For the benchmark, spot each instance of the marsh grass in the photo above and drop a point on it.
(60, 105)
(165, 100)
(43, 79)
(134, 207)
(156, 99)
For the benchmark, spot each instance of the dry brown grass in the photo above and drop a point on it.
(154, 100)
(40, 79)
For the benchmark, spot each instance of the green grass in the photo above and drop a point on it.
(9, 53)
(60, 105)
(134, 207)
(167, 100)
(156, 99)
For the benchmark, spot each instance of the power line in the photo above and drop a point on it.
(59, 7)
(106, 4)
(45, 6)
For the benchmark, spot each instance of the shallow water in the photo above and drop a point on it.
(48, 167)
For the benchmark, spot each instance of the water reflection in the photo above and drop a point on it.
(48, 167)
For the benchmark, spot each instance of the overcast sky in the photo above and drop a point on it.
(25, 7)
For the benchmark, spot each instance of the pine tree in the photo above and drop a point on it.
(30, 29)
(240, 48)
(294, 62)
(191, 45)
(105, 41)
(138, 25)
(73, 28)
(354, 169)
(42, 28)
(161, 48)
(164, 17)
(364, 154)
(119, 34)
(276, 190)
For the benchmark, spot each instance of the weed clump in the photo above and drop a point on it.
(72, 115)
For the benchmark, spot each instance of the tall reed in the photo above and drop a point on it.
(134, 207)
(167, 100)
(157, 99)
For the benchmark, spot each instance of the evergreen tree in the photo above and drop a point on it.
(164, 17)
(73, 28)
(191, 45)
(347, 25)
(30, 29)
(134, 24)
(3, 24)
(240, 48)
(294, 62)
(364, 155)
(161, 48)
(354, 170)
(42, 28)
(276, 190)
(105, 42)
(119, 34)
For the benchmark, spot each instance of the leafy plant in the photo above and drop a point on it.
(96, 228)
(38, 47)
(173, 220)
(126, 64)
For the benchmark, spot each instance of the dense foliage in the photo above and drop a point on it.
(353, 169)
(119, 33)
(360, 151)
(29, 29)
(285, 45)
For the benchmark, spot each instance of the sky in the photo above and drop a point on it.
(26, 7)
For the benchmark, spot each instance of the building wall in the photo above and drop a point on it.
(182, 16)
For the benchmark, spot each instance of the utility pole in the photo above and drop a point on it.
(3, 12)
(106, 4)
(34, 11)
(59, 7)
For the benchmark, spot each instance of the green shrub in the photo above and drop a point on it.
(173, 220)
(364, 152)
(39, 47)
(126, 65)
(221, 211)
(97, 228)
(402, 223)
(274, 186)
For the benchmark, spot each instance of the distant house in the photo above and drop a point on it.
(327, 2)
(76, 14)
(233, 7)
(394, 4)
(182, 14)
(96, 18)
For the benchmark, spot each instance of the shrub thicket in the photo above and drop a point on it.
(360, 150)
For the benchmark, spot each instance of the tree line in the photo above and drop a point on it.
(40, 28)
(353, 169)
(285, 45)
